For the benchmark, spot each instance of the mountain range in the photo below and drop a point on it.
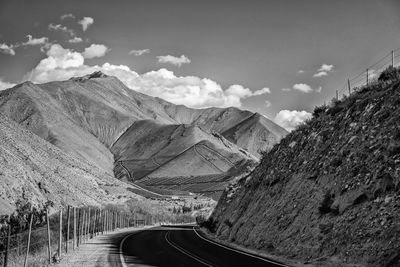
(136, 137)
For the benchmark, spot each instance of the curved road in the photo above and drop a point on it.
(182, 246)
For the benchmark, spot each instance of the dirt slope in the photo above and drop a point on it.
(255, 134)
(149, 149)
(35, 171)
(330, 190)
(36, 110)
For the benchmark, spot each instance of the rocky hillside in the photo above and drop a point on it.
(35, 171)
(97, 118)
(329, 192)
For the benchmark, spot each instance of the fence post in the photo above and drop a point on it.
(68, 222)
(103, 216)
(367, 77)
(29, 240)
(8, 245)
(392, 58)
(83, 227)
(348, 85)
(60, 234)
(104, 221)
(88, 226)
(94, 223)
(78, 228)
(112, 218)
(48, 235)
(74, 233)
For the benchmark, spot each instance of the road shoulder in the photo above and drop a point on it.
(101, 251)
(234, 246)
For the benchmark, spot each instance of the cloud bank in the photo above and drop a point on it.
(290, 119)
(61, 64)
(5, 85)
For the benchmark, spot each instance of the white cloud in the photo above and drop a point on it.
(5, 85)
(95, 50)
(239, 91)
(66, 16)
(302, 87)
(36, 41)
(267, 103)
(262, 91)
(326, 67)
(75, 40)
(60, 64)
(300, 71)
(290, 119)
(7, 49)
(320, 74)
(286, 89)
(323, 70)
(139, 52)
(59, 27)
(86, 22)
(177, 61)
(192, 91)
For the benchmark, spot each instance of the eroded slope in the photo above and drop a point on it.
(330, 190)
(35, 171)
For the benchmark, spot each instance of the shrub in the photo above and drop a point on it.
(209, 224)
(389, 74)
(320, 110)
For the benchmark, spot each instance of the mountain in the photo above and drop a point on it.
(329, 192)
(97, 118)
(35, 171)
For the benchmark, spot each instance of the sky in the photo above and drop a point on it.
(280, 58)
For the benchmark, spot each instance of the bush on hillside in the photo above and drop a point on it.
(389, 74)
(320, 110)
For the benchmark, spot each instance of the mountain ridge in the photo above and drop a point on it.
(89, 116)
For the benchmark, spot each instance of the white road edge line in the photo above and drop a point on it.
(238, 251)
(121, 257)
(184, 252)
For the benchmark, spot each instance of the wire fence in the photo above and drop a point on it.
(370, 74)
(40, 239)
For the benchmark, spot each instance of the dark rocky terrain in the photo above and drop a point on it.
(132, 135)
(329, 192)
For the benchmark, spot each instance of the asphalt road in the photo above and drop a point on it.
(181, 246)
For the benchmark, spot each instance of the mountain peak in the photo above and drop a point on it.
(96, 74)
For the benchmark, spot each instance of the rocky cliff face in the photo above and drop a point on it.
(330, 190)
